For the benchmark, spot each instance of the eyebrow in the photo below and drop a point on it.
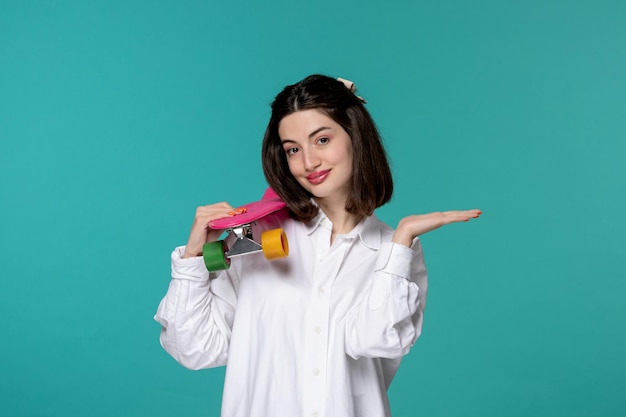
(318, 130)
(313, 133)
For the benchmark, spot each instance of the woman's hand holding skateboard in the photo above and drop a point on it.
(201, 233)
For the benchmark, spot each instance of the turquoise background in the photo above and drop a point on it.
(118, 118)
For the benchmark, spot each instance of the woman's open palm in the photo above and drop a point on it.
(412, 226)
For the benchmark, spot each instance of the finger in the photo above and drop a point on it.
(223, 204)
(212, 210)
(461, 216)
(218, 206)
(473, 212)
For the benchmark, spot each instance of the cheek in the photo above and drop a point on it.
(344, 156)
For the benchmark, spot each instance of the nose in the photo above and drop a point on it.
(311, 160)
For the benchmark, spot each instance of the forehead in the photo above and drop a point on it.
(302, 123)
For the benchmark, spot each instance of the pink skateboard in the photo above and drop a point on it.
(273, 243)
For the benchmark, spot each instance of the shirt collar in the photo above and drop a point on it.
(367, 231)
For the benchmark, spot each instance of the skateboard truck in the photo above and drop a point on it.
(244, 243)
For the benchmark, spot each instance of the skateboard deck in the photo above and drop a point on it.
(273, 243)
(250, 212)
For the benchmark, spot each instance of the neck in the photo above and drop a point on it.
(343, 222)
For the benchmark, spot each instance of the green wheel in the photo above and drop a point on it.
(214, 256)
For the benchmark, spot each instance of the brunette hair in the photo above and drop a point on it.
(372, 183)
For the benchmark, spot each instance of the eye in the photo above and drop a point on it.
(291, 151)
(323, 140)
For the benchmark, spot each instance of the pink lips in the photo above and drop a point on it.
(318, 177)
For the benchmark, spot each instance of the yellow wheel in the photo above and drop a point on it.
(274, 243)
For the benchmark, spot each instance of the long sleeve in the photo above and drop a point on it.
(197, 313)
(388, 320)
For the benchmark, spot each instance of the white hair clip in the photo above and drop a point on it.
(350, 86)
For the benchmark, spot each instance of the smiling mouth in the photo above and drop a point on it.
(318, 177)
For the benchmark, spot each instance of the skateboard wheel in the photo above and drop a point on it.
(274, 243)
(214, 256)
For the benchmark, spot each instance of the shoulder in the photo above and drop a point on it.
(374, 223)
(373, 232)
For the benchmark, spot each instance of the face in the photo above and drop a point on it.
(319, 154)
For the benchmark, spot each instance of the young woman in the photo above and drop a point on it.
(321, 332)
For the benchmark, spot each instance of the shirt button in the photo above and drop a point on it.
(318, 330)
(316, 372)
(321, 290)
(315, 414)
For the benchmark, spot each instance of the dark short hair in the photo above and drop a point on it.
(372, 183)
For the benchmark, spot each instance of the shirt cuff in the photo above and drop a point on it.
(395, 259)
(192, 269)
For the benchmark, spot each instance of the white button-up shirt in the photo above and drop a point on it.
(319, 333)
